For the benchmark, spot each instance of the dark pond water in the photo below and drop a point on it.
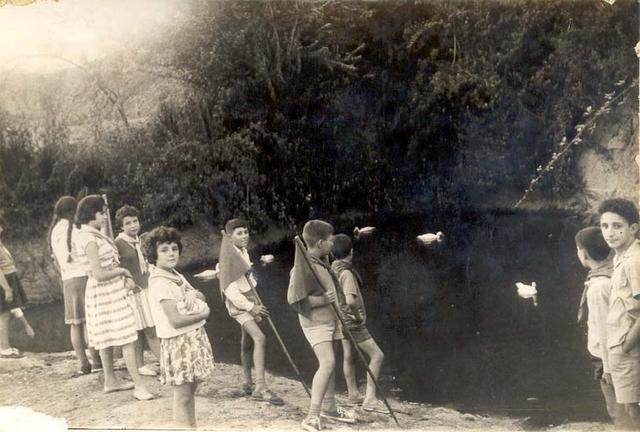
(453, 330)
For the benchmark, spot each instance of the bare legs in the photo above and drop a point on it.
(184, 405)
(149, 334)
(79, 345)
(4, 330)
(111, 382)
(251, 330)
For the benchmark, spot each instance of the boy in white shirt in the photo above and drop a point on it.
(246, 309)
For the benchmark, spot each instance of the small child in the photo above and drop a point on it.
(318, 320)
(619, 224)
(594, 254)
(12, 298)
(129, 249)
(246, 309)
(185, 351)
(355, 318)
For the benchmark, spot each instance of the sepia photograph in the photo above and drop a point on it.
(308, 215)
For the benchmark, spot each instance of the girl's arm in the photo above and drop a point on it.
(97, 271)
(176, 319)
(8, 292)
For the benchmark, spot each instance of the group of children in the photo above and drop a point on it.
(120, 291)
(611, 299)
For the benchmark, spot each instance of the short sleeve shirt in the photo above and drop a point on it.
(624, 302)
(350, 286)
(164, 285)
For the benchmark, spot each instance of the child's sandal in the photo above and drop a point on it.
(268, 396)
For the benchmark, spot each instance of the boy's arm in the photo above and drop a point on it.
(600, 312)
(632, 272)
(8, 293)
(241, 302)
(348, 282)
(316, 301)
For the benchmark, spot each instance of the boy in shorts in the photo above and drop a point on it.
(619, 224)
(355, 317)
(246, 309)
(318, 320)
(594, 254)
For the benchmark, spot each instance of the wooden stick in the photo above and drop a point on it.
(336, 309)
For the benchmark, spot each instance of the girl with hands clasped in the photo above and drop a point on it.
(179, 312)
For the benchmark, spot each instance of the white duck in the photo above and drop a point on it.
(528, 291)
(431, 238)
(208, 274)
(358, 232)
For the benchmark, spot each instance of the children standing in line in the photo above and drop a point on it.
(318, 319)
(128, 244)
(110, 319)
(12, 297)
(246, 309)
(73, 272)
(185, 351)
(619, 224)
(594, 254)
(355, 317)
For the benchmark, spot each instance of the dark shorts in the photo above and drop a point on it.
(19, 297)
(359, 332)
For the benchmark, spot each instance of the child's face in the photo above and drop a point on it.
(240, 237)
(617, 232)
(131, 225)
(325, 246)
(168, 255)
(100, 218)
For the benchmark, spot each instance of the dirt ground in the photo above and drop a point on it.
(44, 384)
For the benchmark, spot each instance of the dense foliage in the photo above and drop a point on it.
(372, 106)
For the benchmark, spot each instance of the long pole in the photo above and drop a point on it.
(284, 348)
(344, 327)
(109, 226)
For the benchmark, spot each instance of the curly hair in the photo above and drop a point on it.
(622, 207)
(155, 238)
(125, 211)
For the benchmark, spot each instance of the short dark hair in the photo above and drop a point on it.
(234, 223)
(622, 207)
(155, 238)
(316, 230)
(342, 246)
(125, 211)
(591, 240)
(87, 209)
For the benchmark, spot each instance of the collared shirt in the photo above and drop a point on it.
(624, 303)
(164, 285)
(132, 259)
(238, 293)
(71, 265)
(598, 292)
